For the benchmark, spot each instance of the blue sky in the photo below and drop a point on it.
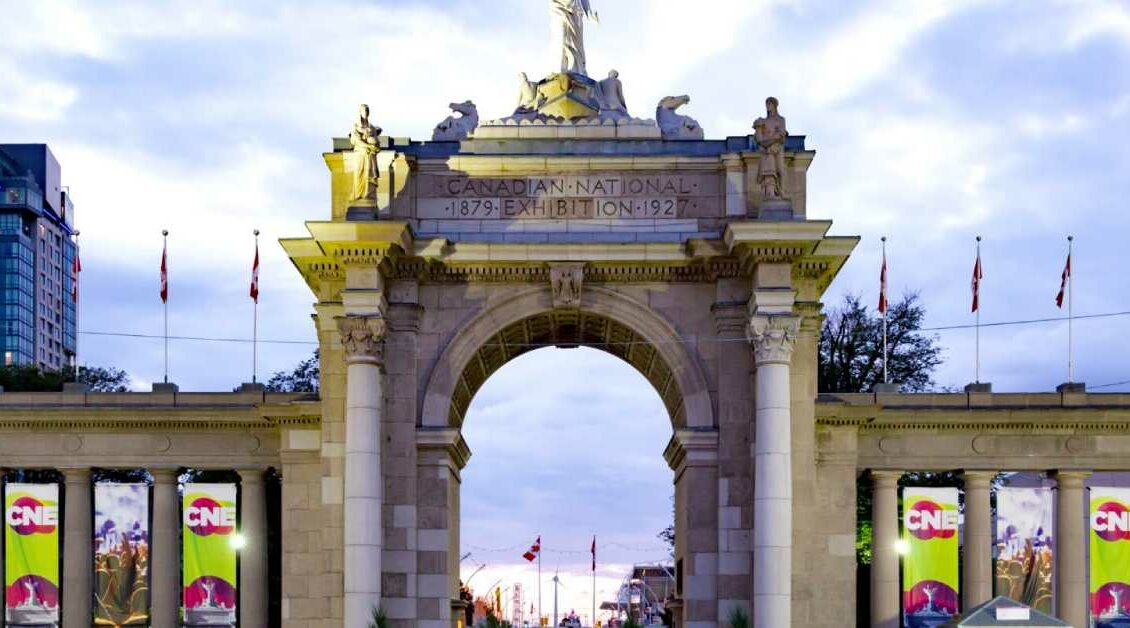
(933, 121)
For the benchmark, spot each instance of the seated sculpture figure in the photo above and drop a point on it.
(676, 126)
(453, 129)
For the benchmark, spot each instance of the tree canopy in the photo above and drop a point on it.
(851, 347)
(30, 378)
(304, 377)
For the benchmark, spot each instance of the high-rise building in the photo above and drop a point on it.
(37, 255)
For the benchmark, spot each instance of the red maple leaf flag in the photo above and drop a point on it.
(255, 276)
(76, 268)
(534, 550)
(164, 274)
(594, 553)
(883, 286)
(976, 283)
(1063, 279)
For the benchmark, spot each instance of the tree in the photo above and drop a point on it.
(30, 378)
(99, 379)
(304, 377)
(851, 347)
(667, 535)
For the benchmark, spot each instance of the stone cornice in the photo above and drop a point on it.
(446, 440)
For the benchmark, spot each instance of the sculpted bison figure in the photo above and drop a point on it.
(453, 128)
(675, 126)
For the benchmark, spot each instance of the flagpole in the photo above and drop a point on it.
(165, 301)
(977, 342)
(594, 581)
(1070, 313)
(255, 316)
(886, 380)
(539, 580)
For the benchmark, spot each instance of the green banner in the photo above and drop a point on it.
(209, 527)
(31, 554)
(1110, 556)
(930, 572)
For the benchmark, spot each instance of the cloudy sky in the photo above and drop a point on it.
(933, 121)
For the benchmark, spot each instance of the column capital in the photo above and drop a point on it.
(978, 477)
(164, 476)
(73, 475)
(773, 337)
(1070, 478)
(250, 475)
(363, 338)
(885, 478)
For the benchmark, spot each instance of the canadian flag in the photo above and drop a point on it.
(1063, 279)
(976, 283)
(165, 273)
(883, 286)
(534, 550)
(255, 276)
(594, 553)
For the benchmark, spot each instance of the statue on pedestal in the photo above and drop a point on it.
(675, 126)
(454, 129)
(571, 15)
(363, 138)
(770, 134)
(528, 97)
(611, 95)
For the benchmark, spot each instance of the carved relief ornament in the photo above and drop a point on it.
(565, 281)
(362, 337)
(773, 338)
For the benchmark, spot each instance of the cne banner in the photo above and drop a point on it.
(930, 567)
(121, 554)
(31, 554)
(210, 523)
(1110, 556)
(1025, 561)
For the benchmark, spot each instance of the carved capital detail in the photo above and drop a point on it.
(363, 338)
(773, 338)
(565, 280)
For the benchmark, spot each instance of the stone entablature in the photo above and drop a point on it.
(570, 188)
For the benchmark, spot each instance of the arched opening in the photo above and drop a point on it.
(568, 445)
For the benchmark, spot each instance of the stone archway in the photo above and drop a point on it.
(607, 320)
(614, 323)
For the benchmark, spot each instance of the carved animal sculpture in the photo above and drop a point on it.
(675, 126)
(453, 129)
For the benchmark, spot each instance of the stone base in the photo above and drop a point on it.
(775, 209)
(75, 388)
(979, 387)
(1071, 387)
(361, 213)
(165, 387)
(251, 387)
(886, 388)
(569, 96)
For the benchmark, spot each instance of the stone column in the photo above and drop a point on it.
(885, 592)
(78, 554)
(164, 550)
(253, 607)
(363, 340)
(978, 554)
(1070, 555)
(773, 337)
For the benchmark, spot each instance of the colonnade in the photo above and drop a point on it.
(977, 569)
(164, 549)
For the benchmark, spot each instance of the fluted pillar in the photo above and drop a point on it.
(978, 554)
(253, 607)
(1070, 554)
(773, 338)
(78, 553)
(363, 340)
(886, 602)
(164, 550)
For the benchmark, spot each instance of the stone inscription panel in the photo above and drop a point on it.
(587, 196)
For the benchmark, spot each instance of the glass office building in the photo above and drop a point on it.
(37, 253)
